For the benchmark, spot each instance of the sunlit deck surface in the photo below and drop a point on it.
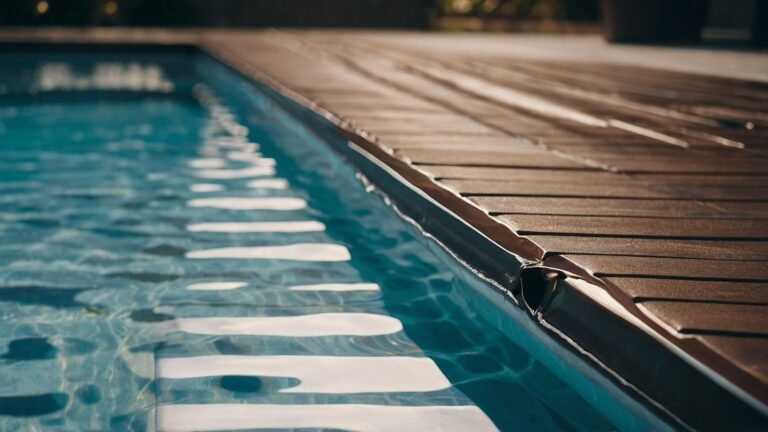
(641, 170)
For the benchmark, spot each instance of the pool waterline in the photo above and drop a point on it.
(231, 246)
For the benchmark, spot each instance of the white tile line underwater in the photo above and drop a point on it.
(207, 163)
(103, 76)
(214, 147)
(216, 286)
(270, 183)
(313, 325)
(223, 174)
(244, 227)
(206, 187)
(331, 287)
(245, 203)
(254, 159)
(233, 143)
(317, 374)
(314, 252)
(352, 417)
(337, 287)
(267, 183)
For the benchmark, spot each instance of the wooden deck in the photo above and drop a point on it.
(642, 175)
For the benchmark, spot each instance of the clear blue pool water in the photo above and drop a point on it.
(177, 253)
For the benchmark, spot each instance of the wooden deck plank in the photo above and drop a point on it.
(731, 180)
(532, 187)
(684, 165)
(454, 172)
(718, 318)
(648, 227)
(746, 351)
(714, 187)
(672, 248)
(617, 187)
(639, 266)
(510, 158)
(642, 289)
(588, 206)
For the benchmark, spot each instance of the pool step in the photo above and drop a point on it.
(357, 417)
(317, 374)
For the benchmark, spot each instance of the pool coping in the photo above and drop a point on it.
(555, 292)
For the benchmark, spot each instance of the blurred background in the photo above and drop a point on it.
(658, 21)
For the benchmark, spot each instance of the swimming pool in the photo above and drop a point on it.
(179, 253)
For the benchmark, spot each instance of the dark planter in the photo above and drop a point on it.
(760, 26)
(654, 21)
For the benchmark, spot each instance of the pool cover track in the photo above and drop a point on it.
(680, 378)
